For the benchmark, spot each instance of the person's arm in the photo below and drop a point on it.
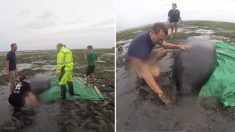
(175, 46)
(59, 61)
(148, 77)
(7, 66)
(7, 63)
(180, 18)
(32, 101)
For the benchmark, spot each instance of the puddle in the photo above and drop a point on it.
(204, 31)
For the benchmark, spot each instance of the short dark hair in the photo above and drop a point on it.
(13, 44)
(174, 4)
(59, 45)
(160, 27)
(89, 47)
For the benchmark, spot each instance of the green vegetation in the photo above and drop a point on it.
(221, 30)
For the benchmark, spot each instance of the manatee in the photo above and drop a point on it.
(39, 84)
(193, 68)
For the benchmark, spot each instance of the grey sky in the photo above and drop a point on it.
(41, 24)
(131, 13)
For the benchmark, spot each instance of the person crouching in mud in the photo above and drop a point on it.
(22, 95)
(142, 57)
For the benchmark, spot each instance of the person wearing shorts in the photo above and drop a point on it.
(91, 58)
(22, 94)
(11, 66)
(174, 18)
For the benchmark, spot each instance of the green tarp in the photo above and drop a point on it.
(221, 83)
(81, 92)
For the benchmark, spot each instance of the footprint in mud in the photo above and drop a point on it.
(85, 115)
(19, 119)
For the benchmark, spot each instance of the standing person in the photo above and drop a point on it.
(21, 95)
(91, 57)
(64, 69)
(174, 18)
(11, 66)
(142, 57)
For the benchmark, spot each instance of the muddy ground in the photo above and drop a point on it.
(139, 108)
(80, 115)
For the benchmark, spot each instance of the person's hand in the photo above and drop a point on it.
(185, 47)
(165, 99)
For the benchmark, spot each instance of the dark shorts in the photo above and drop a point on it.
(90, 70)
(16, 100)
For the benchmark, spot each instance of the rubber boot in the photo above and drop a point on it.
(63, 92)
(71, 91)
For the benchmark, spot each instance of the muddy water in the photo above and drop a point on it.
(71, 117)
(139, 108)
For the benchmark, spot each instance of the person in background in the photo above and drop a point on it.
(64, 69)
(174, 18)
(90, 57)
(11, 66)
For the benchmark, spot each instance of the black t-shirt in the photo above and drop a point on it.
(141, 47)
(21, 88)
(17, 97)
(11, 57)
(174, 15)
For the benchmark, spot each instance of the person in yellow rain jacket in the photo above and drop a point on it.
(64, 69)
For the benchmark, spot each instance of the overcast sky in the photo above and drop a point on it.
(131, 13)
(41, 24)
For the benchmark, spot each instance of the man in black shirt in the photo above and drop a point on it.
(173, 19)
(22, 94)
(11, 66)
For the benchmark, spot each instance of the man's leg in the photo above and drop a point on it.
(92, 79)
(70, 82)
(172, 29)
(70, 85)
(87, 76)
(63, 81)
(176, 29)
(12, 79)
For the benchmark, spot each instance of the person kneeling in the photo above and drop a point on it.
(22, 95)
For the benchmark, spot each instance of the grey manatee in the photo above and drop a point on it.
(39, 84)
(193, 68)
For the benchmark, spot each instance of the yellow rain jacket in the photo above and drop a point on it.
(65, 59)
